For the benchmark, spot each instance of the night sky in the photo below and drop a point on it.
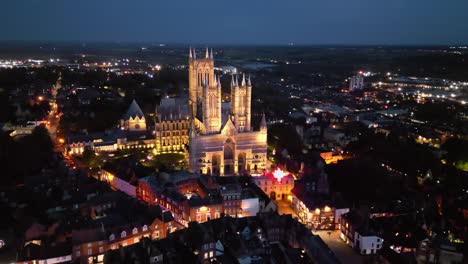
(238, 22)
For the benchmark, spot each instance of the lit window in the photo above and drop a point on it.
(134, 231)
(145, 228)
(123, 234)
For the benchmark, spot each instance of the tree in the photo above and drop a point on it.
(41, 136)
(89, 158)
(195, 235)
(26, 156)
(457, 152)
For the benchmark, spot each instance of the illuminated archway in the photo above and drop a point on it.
(229, 148)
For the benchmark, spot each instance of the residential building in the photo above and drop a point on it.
(313, 208)
(355, 232)
(356, 83)
(277, 184)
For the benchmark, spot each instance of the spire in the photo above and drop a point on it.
(219, 81)
(233, 83)
(263, 124)
(190, 53)
(249, 83)
(194, 53)
(216, 80)
(207, 55)
(237, 81)
(211, 54)
(243, 80)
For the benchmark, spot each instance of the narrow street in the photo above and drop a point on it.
(284, 207)
(344, 252)
(332, 238)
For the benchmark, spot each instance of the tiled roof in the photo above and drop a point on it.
(133, 111)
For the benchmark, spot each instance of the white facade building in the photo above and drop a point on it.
(356, 83)
(355, 234)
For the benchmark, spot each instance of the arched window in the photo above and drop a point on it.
(135, 231)
(123, 234)
(111, 237)
(145, 228)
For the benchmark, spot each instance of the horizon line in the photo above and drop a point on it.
(287, 44)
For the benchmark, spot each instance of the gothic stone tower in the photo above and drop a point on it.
(240, 103)
(204, 92)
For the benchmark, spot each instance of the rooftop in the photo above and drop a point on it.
(133, 111)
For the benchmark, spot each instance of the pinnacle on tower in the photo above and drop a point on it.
(219, 81)
(190, 53)
(193, 132)
(233, 83)
(249, 83)
(216, 80)
(243, 80)
(207, 55)
(194, 53)
(263, 124)
(211, 54)
(237, 80)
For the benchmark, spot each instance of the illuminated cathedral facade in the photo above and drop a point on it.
(221, 139)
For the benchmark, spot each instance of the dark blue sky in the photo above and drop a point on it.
(238, 22)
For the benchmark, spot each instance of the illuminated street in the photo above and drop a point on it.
(344, 252)
(284, 207)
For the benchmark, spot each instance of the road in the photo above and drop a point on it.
(344, 252)
(332, 238)
(284, 207)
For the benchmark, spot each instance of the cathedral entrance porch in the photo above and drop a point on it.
(229, 147)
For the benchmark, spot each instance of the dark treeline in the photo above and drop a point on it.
(25, 156)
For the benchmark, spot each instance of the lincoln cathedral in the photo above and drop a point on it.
(221, 138)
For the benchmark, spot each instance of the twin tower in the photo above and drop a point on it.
(205, 95)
